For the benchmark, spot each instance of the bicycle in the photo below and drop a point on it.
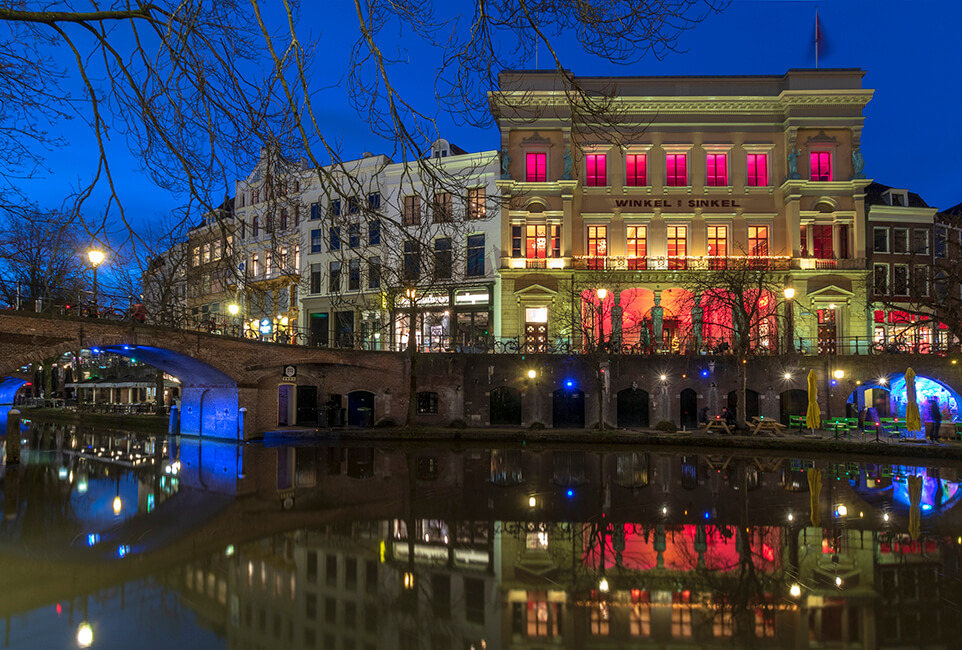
(898, 346)
(559, 347)
(507, 346)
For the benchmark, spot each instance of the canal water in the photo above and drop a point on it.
(114, 539)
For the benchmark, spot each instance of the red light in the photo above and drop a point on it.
(59, 609)
(29, 383)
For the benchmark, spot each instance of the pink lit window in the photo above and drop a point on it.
(597, 171)
(821, 162)
(536, 168)
(717, 169)
(757, 170)
(636, 170)
(677, 169)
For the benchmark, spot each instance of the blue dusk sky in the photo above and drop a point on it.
(908, 51)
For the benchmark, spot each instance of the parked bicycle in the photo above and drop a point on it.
(507, 346)
(896, 346)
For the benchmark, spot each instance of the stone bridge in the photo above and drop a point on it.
(230, 388)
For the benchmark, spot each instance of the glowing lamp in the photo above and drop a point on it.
(838, 581)
(117, 505)
(570, 493)
(663, 377)
(532, 502)
(85, 635)
(532, 374)
(95, 257)
(603, 585)
(233, 309)
(602, 294)
(788, 375)
(841, 510)
(795, 590)
(838, 374)
(789, 293)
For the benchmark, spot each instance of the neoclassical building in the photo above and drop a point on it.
(658, 191)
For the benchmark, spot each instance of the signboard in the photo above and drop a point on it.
(289, 374)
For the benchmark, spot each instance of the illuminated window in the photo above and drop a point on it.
(597, 172)
(677, 247)
(597, 246)
(717, 246)
(412, 210)
(822, 248)
(637, 247)
(477, 208)
(536, 168)
(536, 241)
(723, 624)
(600, 618)
(676, 165)
(717, 169)
(758, 241)
(821, 165)
(764, 623)
(639, 617)
(636, 170)
(542, 618)
(681, 615)
(757, 169)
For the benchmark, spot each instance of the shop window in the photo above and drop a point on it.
(636, 170)
(821, 165)
(536, 167)
(475, 255)
(442, 258)
(677, 247)
(427, 403)
(717, 169)
(881, 280)
(676, 165)
(637, 237)
(597, 171)
(757, 170)
(412, 211)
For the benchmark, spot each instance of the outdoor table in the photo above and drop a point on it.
(770, 427)
(719, 424)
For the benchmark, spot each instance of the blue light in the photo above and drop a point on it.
(926, 506)
(123, 550)
(569, 383)
(834, 383)
(570, 493)
(707, 515)
(704, 373)
(93, 539)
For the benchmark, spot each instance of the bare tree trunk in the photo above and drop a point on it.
(159, 398)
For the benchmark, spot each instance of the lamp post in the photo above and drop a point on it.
(789, 318)
(602, 294)
(95, 257)
(233, 309)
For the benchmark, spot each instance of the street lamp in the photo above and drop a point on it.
(95, 257)
(789, 318)
(233, 309)
(602, 294)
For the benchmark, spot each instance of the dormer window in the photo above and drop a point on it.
(896, 197)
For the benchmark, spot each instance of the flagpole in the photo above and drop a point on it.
(817, 35)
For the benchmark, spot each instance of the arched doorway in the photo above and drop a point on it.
(504, 403)
(688, 404)
(568, 408)
(751, 403)
(632, 408)
(360, 408)
(793, 402)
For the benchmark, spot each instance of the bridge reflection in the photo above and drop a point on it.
(517, 546)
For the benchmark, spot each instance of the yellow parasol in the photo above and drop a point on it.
(814, 492)
(813, 417)
(915, 510)
(913, 421)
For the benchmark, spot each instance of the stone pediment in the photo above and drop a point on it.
(535, 289)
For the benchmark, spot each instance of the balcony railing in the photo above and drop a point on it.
(681, 263)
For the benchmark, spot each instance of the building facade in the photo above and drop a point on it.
(687, 179)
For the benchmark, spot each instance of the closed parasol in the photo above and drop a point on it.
(813, 416)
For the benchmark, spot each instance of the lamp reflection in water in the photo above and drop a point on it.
(85, 635)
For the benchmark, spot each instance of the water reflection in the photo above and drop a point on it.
(344, 546)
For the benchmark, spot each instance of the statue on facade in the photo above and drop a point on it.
(858, 163)
(505, 164)
(566, 175)
(793, 164)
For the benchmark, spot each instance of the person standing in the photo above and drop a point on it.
(935, 413)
